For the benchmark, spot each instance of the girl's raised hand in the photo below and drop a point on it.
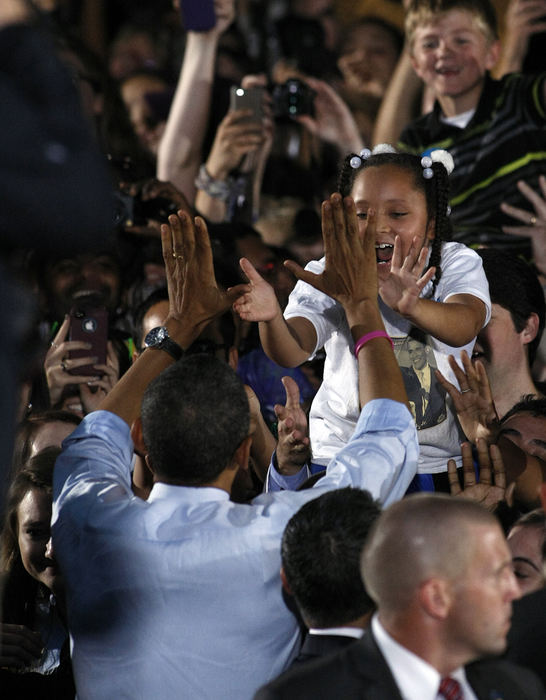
(405, 282)
(259, 302)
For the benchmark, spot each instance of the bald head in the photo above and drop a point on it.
(422, 536)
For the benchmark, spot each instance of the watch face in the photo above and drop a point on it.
(156, 336)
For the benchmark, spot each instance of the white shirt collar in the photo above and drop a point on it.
(416, 679)
(195, 494)
(338, 631)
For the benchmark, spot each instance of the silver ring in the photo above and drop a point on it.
(532, 221)
(64, 367)
(463, 391)
(53, 344)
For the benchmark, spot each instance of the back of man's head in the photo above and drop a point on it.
(321, 550)
(514, 285)
(194, 416)
(420, 12)
(420, 537)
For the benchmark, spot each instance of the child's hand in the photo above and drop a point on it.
(259, 302)
(401, 289)
(293, 447)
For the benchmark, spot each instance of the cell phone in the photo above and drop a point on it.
(250, 98)
(90, 326)
(198, 15)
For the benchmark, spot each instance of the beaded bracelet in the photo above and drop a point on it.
(218, 189)
(369, 336)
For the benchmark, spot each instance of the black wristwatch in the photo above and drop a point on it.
(159, 338)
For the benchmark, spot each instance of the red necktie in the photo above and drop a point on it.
(450, 689)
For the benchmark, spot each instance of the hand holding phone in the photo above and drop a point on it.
(248, 99)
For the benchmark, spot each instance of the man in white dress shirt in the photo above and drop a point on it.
(180, 596)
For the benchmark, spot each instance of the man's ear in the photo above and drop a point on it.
(137, 438)
(414, 63)
(529, 333)
(284, 581)
(233, 358)
(242, 453)
(435, 598)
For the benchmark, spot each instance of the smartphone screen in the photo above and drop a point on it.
(89, 326)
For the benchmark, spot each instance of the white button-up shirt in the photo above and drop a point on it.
(180, 596)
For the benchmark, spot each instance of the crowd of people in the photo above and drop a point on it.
(273, 283)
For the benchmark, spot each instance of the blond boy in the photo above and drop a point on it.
(495, 130)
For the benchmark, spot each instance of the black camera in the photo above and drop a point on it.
(292, 98)
(133, 211)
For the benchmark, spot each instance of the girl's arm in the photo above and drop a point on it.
(454, 322)
(288, 343)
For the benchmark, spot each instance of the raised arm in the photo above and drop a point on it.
(523, 19)
(350, 277)
(396, 109)
(179, 154)
(194, 300)
(456, 321)
(288, 343)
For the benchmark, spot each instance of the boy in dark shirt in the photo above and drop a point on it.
(495, 130)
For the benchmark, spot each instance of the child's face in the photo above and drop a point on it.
(452, 54)
(400, 210)
(368, 59)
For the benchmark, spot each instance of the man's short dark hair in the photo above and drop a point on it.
(514, 285)
(321, 549)
(194, 416)
(529, 404)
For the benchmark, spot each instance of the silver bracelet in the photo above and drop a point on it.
(218, 189)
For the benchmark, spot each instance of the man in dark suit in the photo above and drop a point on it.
(440, 573)
(320, 554)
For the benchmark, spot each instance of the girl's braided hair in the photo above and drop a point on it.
(435, 189)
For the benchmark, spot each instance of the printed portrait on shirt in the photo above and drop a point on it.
(426, 396)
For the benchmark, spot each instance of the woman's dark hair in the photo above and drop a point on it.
(435, 189)
(29, 426)
(20, 589)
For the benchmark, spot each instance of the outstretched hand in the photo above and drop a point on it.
(405, 282)
(257, 301)
(194, 295)
(293, 447)
(333, 121)
(490, 489)
(473, 401)
(350, 271)
(533, 224)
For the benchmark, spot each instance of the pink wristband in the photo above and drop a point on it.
(369, 336)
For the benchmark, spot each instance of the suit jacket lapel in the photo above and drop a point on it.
(373, 670)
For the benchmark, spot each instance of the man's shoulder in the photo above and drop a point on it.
(358, 671)
(501, 678)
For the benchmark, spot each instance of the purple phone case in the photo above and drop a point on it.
(198, 15)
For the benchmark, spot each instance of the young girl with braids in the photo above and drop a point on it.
(433, 297)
